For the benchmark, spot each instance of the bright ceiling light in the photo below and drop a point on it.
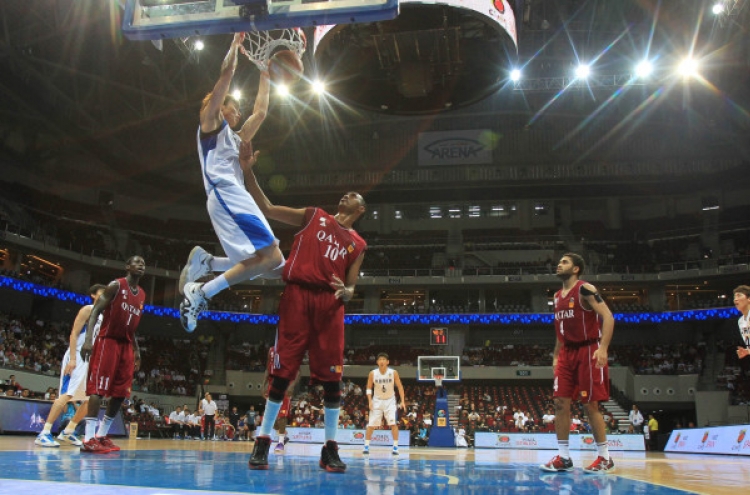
(644, 69)
(515, 75)
(198, 45)
(688, 67)
(237, 94)
(583, 71)
(282, 90)
(319, 86)
(718, 8)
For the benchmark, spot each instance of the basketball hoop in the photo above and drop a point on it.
(438, 380)
(259, 46)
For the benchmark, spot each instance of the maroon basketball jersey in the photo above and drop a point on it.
(321, 249)
(573, 322)
(123, 314)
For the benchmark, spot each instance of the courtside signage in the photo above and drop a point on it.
(548, 441)
(732, 440)
(346, 437)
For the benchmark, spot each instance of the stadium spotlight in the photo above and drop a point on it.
(515, 75)
(688, 67)
(283, 90)
(644, 69)
(718, 8)
(583, 71)
(237, 94)
(198, 45)
(319, 87)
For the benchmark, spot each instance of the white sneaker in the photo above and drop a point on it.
(366, 450)
(198, 266)
(70, 439)
(195, 301)
(46, 440)
(395, 450)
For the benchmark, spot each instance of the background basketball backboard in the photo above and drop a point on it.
(159, 19)
(447, 366)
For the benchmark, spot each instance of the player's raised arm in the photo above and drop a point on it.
(595, 301)
(104, 300)
(284, 214)
(211, 111)
(260, 110)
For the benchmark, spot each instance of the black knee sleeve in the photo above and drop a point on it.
(278, 389)
(332, 394)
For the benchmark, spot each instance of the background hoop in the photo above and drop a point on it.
(259, 46)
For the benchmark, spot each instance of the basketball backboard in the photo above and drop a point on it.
(159, 19)
(447, 367)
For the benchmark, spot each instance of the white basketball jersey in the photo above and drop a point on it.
(82, 336)
(219, 154)
(383, 384)
(744, 324)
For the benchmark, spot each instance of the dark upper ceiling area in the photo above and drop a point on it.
(73, 89)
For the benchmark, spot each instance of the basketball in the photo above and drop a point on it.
(285, 67)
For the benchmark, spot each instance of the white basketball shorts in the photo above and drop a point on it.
(238, 222)
(380, 408)
(74, 384)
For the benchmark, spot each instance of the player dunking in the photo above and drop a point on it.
(382, 383)
(580, 361)
(286, 407)
(320, 276)
(72, 379)
(244, 233)
(115, 355)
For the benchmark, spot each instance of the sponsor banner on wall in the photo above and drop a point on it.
(454, 147)
(346, 437)
(732, 440)
(548, 441)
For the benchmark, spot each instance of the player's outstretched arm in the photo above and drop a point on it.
(284, 214)
(104, 300)
(211, 112)
(260, 110)
(81, 319)
(595, 302)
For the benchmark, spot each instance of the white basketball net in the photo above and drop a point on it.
(261, 45)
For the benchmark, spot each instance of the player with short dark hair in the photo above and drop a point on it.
(115, 355)
(381, 399)
(245, 235)
(320, 276)
(72, 379)
(580, 361)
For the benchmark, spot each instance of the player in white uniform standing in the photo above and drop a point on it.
(244, 233)
(381, 397)
(73, 379)
(742, 303)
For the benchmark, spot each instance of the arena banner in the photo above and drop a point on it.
(19, 415)
(346, 437)
(548, 441)
(468, 147)
(732, 440)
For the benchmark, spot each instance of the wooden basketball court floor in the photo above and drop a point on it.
(171, 467)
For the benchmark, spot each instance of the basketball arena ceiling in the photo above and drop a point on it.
(72, 86)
